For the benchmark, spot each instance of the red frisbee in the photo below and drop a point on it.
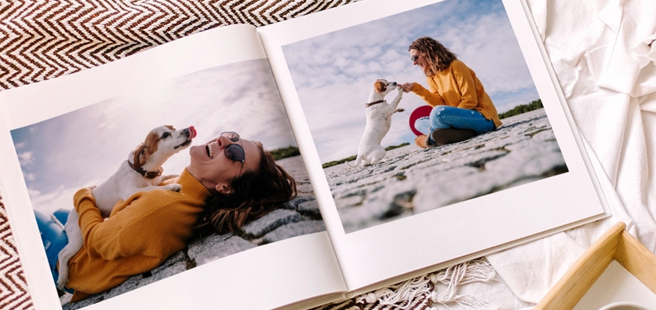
(421, 111)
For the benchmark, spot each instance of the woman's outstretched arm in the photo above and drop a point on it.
(432, 97)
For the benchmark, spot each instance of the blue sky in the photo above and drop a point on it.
(334, 73)
(84, 147)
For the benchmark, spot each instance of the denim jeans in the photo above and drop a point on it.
(442, 117)
(53, 237)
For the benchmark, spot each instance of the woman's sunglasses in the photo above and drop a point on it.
(414, 58)
(234, 152)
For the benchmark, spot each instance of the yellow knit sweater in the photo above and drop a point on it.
(458, 86)
(138, 236)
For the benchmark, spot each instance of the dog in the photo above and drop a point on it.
(142, 171)
(379, 121)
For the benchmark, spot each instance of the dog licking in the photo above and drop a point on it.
(142, 171)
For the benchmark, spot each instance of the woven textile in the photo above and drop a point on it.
(45, 39)
(422, 302)
(13, 288)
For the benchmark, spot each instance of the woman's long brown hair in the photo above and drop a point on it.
(439, 57)
(255, 193)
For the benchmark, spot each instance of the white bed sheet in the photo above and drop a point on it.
(601, 55)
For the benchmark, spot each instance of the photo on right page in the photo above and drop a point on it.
(422, 110)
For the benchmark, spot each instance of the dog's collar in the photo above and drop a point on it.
(147, 174)
(366, 105)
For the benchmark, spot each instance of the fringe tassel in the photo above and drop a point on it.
(479, 270)
(403, 294)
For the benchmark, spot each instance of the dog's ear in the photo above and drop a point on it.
(147, 148)
(136, 159)
(379, 86)
(151, 143)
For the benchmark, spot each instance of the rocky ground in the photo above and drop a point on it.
(411, 180)
(298, 217)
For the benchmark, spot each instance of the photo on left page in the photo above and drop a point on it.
(156, 181)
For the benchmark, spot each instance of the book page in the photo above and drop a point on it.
(392, 208)
(59, 136)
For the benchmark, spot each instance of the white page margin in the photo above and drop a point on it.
(409, 244)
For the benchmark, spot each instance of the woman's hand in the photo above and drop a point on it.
(407, 87)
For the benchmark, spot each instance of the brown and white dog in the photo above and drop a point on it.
(141, 172)
(379, 121)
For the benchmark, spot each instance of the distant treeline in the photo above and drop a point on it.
(350, 158)
(285, 152)
(523, 108)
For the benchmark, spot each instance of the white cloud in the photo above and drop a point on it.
(333, 73)
(30, 177)
(61, 198)
(19, 145)
(26, 158)
(87, 146)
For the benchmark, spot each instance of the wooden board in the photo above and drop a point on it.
(615, 244)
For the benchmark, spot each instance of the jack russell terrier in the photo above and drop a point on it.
(379, 121)
(140, 172)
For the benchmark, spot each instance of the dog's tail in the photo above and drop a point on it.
(358, 160)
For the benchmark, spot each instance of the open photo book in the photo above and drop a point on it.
(328, 155)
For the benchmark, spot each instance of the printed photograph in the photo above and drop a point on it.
(422, 110)
(159, 180)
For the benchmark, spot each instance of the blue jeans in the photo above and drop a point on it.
(53, 237)
(442, 117)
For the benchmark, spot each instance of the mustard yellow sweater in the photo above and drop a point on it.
(458, 86)
(138, 236)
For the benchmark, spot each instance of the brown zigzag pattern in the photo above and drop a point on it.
(13, 287)
(45, 39)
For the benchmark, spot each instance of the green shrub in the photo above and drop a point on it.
(351, 158)
(285, 152)
(337, 162)
(522, 108)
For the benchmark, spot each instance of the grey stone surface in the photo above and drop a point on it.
(297, 217)
(410, 180)
(294, 166)
(309, 209)
(271, 221)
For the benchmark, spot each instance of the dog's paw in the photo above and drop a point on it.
(61, 282)
(174, 187)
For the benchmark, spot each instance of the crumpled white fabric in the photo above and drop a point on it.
(645, 51)
(601, 53)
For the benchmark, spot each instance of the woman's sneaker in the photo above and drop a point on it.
(451, 135)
